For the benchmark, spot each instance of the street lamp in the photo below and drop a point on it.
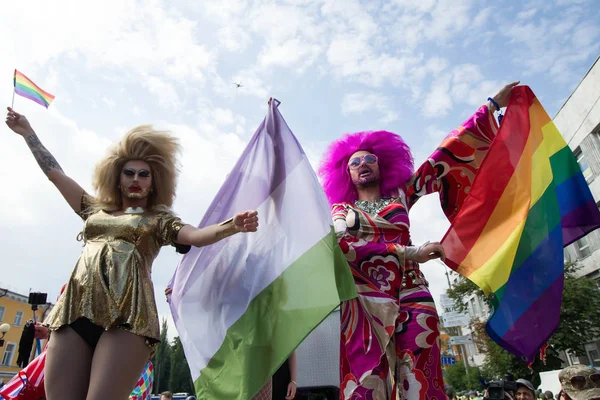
(3, 329)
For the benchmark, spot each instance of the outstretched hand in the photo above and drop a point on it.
(246, 221)
(503, 96)
(17, 122)
(430, 251)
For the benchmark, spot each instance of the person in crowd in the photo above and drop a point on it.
(105, 325)
(579, 382)
(392, 327)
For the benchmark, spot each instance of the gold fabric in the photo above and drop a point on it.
(111, 284)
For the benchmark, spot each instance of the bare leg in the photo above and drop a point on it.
(68, 366)
(118, 362)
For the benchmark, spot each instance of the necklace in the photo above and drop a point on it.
(374, 206)
(136, 210)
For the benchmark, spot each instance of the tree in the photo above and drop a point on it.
(579, 321)
(180, 379)
(162, 361)
(457, 378)
(498, 361)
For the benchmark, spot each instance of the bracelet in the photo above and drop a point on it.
(294, 382)
(494, 103)
(228, 231)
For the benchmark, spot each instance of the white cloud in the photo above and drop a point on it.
(527, 14)
(482, 16)
(357, 103)
(163, 91)
(109, 102)
(553, 44)
(438, 101)
(288, 54)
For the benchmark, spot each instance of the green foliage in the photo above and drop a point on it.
(456, 377)
(580, 312)
(162, 362)
(579, 315)
(498, 361)
(579, 322)
(180, 379)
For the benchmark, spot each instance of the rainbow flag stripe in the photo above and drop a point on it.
(26, 88)
(527, 202)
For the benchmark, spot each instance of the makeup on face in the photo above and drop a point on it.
(136, 183)
(131, 172)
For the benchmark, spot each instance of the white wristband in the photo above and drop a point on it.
(411, 252)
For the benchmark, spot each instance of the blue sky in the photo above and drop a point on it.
(415, 68)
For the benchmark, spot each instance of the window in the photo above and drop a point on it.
(18, 318)
(9, 351)
(2, 313)
(585, 167)
(584, 247)
(574, 359)
(594, 357)
(474, 305)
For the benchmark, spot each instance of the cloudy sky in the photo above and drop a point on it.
(418, 68)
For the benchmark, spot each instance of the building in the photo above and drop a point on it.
(578, 121)
(476, 310)
(15, 311)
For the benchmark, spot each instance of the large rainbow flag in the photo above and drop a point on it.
(26, 88)
(528, 201)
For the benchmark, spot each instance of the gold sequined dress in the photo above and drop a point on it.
(111, 284)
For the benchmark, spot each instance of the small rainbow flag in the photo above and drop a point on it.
(527, 202)
(143, 389)
(26, 88)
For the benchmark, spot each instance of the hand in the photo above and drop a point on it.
(430, 251)
(41, 332)
(503, 96)
(18, 123)
(246, 221)
(291, 392)
(168, 292)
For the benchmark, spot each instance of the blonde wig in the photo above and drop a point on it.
(158, 148)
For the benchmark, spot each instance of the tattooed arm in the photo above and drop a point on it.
(70, 189)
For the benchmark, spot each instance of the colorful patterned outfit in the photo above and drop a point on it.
(390, 336)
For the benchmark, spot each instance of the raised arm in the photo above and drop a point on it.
(70, 189)
(452, 167)
(242, 222)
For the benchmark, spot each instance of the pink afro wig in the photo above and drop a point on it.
(395, 164)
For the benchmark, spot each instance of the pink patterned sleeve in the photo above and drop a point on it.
(452, 167)
(347, 222)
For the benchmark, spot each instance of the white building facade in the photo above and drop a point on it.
(579, 122)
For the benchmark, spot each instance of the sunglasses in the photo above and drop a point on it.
(142, 173)
(355, 162)
(579, 381)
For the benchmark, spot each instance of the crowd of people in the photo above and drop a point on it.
(578, 382)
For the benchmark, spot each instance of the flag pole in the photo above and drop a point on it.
(12, 104)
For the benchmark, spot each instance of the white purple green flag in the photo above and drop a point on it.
(242, 305)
